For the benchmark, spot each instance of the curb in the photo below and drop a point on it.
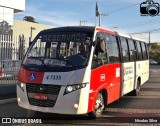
(8, 101)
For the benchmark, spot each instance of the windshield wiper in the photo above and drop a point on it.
(40, 59)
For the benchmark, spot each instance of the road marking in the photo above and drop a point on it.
(126, 110)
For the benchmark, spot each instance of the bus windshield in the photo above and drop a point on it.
(65, 49)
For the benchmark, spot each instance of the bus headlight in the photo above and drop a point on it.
(21, 85)
(69, 89)
(75, 87)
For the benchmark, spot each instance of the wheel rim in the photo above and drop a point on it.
(99, 106)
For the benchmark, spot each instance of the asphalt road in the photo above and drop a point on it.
(125, 111)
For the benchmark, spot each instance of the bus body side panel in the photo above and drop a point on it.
(128, 77)
(142, 68)
(105, 77)
(146, 73)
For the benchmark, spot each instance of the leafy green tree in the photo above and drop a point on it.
(29, 19)
(155, 52)
(155, 46)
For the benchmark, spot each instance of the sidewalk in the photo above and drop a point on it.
(6, 89)
(7, 93)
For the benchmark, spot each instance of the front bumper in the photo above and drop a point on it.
(74, 103)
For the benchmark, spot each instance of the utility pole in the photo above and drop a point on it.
(82, 22)
(102, 14)
(149, 41)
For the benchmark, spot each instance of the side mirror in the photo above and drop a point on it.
(101, 44)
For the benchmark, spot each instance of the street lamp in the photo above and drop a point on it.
(30, 39)
(32, 28)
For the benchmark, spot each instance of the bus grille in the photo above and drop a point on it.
(45, 103)
(51, 90)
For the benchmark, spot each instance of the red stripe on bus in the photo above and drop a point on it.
(105, 30)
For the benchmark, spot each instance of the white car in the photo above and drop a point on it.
(153, 62)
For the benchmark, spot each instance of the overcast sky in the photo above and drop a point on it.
(122, 15)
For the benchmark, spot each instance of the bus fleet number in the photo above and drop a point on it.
(53, 77)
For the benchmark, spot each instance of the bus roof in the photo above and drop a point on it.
(138, 39)
(70, 28)
(124, 35)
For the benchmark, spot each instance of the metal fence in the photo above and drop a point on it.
(12, 50)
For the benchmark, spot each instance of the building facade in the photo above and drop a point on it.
(24, 32)
(28, 29)
(7, 10)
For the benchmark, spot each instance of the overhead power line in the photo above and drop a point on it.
(153, 30)
(113, 11)
(139, 23)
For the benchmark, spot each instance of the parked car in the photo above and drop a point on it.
(153, 62)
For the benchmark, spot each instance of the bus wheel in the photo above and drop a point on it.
(98, 108)
(136, 91)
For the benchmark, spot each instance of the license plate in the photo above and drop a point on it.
(41, 96)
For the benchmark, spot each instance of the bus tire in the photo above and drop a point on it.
(136, 91)
(98, 107)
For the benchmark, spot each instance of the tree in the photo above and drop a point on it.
(155, 46)
(155, 52)
(5, 28)
(29, 19)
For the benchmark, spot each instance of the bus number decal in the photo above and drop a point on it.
(53, 77)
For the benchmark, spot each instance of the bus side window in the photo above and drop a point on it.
(144, 51)
(132, 50)
(125, 50)
(139, 56)
(112, 48)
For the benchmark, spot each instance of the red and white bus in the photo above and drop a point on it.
(79, 70)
